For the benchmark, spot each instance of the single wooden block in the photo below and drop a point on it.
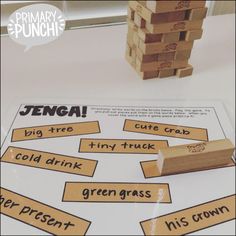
(171, 37)
(182, 55)
(133, 54)
(169, 6)
(148, 75)
(132, 31)
(132, 25)
(176, 16)
(136, 39)
(128, 50)
(159, 65)
(196, 156)
(139, 21)
(169, 56)
(197, 14)
(130, 60)
(166, 73)
(168, 17)
(153, 48)
(146, 58)
(174, 26)
(192, 35)
(184, 72)
(130, 13)
(149, 37)
(130, 36)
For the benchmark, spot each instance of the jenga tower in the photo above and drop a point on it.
(161, 36)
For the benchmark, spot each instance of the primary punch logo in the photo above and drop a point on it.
(36, 25)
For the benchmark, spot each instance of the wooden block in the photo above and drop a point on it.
(169, 6)
(130, 13)
(169, 56)
(148, 75)
(130, 60)
(182, 55)
(133, 53)
(132, 31)
(192, 35)
(166, 73)
(184, 72)
(128, 50)
(168, 17)
(132, 25)
(196, 156)
(159, 65)
(149, 37)
(139, 21)
(176, 16)
(197, 14)
(171, 37)
(130, 36)
(174, 26)
(153, 48)
(136, 39)
(146, 58)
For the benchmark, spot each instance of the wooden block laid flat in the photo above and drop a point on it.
(136, 39)
(192, 35)
(184, 72)
(132, 31)
(166, 73)
(197, 14)
(146, 58)
(128, 50)
(130, 13)
(169, 56)
(130, 60)
(152, 48)
(139, 21)
(132, 25)
(182, 55)
(148, 75)
(168, 17)
(174, 26)
(159, 65)
(196, 156)
(171, 37)
(169, 6)
(149, 37)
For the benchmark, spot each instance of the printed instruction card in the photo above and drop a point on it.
(90, 168)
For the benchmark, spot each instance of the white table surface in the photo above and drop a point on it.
(89, 63)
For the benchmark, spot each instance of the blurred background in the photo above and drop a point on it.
(93, 13)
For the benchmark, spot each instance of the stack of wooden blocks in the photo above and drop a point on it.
(161, 36)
